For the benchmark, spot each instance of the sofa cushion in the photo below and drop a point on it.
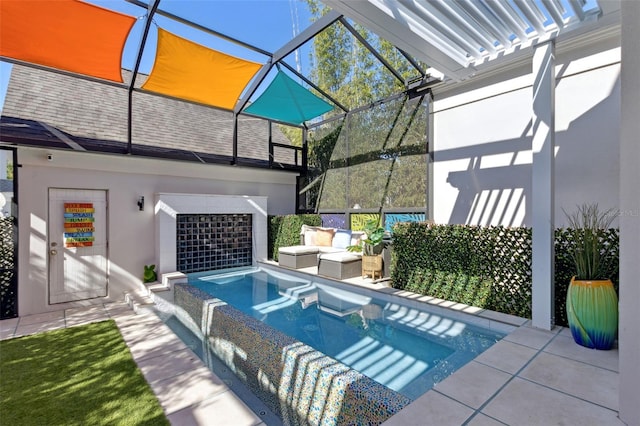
(324, 237)
(330, 249)
(341, 257)
(298, 250)
(341, 239)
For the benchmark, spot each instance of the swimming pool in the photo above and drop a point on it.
(403, 348)
(317, 352)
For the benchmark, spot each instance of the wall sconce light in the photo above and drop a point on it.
(141, 203)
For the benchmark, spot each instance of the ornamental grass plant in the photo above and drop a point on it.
(590, 254)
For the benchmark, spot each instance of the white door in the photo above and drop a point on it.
(78, 256)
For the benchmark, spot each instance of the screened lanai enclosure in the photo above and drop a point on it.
(351, 141)
(373, 160)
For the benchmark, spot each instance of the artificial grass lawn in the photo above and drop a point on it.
(75, 376)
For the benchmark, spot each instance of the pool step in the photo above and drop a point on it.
(171, 278)
(139, 301)
(164, 288)
(156, 287)
(166, 283)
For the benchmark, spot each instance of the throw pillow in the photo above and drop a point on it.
(324, 237)
(342, 239)
(310, 237)
(356, 236)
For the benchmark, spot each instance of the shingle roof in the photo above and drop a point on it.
(50, 109)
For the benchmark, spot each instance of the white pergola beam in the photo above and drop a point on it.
(453, 37)
(446, 25)
(486, 22)
(477, 33)
(577, 5)
(555, 10)
(533, 15)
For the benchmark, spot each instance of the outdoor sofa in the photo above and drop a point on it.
(325, 248)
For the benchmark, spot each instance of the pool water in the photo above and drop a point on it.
(402, 347)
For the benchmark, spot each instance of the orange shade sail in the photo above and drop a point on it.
(65, 34)
(187, 70)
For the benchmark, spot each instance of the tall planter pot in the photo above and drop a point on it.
(592, 312)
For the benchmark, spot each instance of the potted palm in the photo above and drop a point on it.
(371, 247)
(592, 303)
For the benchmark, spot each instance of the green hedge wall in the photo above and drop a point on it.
(285, 231)
(8, 281)
(488, 267)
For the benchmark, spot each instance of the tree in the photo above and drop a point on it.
(378, 158)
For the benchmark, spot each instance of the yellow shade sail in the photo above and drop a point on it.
(187, 70)
(68, 35)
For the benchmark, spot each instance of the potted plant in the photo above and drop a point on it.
(592, 303)
(371, 247)
(150, 275)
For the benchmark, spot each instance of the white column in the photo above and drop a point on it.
(629, 326)
(542, 199)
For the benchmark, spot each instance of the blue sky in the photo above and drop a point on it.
(266, 24)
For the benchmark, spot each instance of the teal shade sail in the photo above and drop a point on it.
(287, 101)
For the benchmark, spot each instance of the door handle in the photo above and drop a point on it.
(53, 252)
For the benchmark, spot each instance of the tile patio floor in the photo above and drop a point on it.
(531, 377)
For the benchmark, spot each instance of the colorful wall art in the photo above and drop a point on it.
(79, 224)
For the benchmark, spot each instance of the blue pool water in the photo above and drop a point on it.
(402, 347)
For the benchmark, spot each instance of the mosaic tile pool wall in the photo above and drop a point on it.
(207, 242)
(302, 385)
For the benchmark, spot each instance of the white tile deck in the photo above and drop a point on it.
(531, 377)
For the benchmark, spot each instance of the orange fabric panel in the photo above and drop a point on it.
(187, 70)
(65, 34)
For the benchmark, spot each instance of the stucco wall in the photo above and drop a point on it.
(482, 138)
(131, 231)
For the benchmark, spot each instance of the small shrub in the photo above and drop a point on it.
(150, 274)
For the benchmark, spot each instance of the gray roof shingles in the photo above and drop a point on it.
(94, 115)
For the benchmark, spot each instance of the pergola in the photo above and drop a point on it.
(458, 39)
(466, 37)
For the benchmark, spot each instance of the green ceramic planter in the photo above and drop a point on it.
(592, 311)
